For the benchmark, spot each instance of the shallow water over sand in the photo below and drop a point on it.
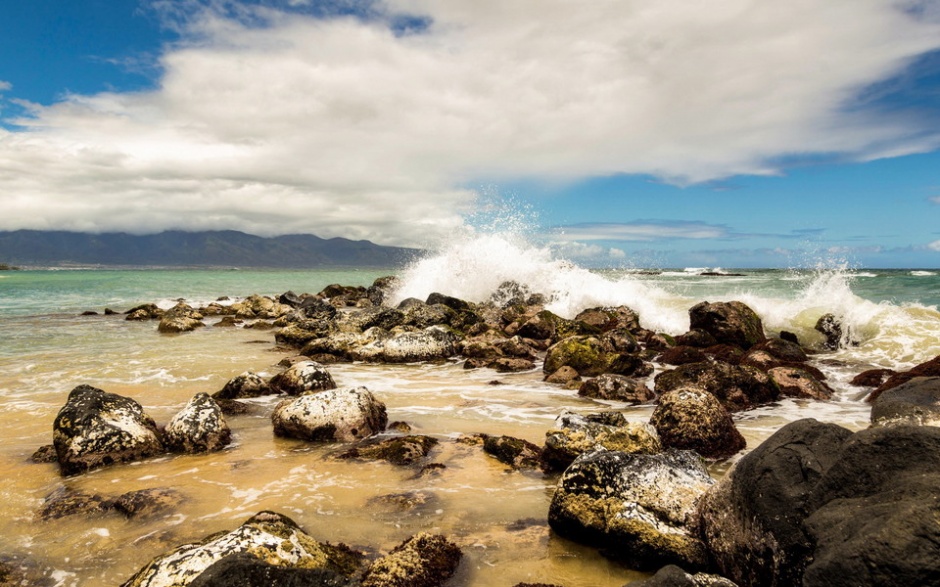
(496, 515)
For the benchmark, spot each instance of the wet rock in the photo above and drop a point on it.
(618, 388)
(299, 333)
(95, 428)
(147, 503)
(915, 402)
(289, 298)
(607, 319)
(302, 378)
(585, 354)
(268, 537)
(693, 419)
(575, 435)
(421, 315)
(872, 377)
(381, 288)
(245, 570)
(515, 452)
(793, 382)
(228, 322)
(696, 338)
(929, 369)
(511, 365)
(737, 387)
(180, 318)
(381, 317)
(620, 340)
(682, 355)
(752, 521)
(640, 509)
(256, 306)
(17, 571)
(248, 384)
(424, 560)
(563, 375)
(198, 427)
(783, 350)
(231, 407)
(673, 576)
(65, 502)
(831, 328)
(548, 325)
(430, 344)
(314, 308)
(340, 415)
(144, 312)
(415, 502)
(874, 513)
(44, 454)
(400, 450)
(731, 323)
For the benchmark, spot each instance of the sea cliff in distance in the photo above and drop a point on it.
(227, 248)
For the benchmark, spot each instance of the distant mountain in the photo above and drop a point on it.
(226, 248)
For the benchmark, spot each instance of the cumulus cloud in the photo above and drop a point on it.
(4, 85)
(934, 246)
(935, 199)
(274, 121)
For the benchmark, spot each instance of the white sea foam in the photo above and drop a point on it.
(923, 273)
(885, 333)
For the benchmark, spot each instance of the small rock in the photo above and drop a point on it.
(400, 450)
(794, 382)
(424, 560)
(302, 378)
(618, 388)
(515, 452)
(563, 375)
(198, 427)
(731, 323)
(916, 402)
(336, 415)
(576, 435)
(67, 502)
(147, 503)
(673, 576)
(693, 419)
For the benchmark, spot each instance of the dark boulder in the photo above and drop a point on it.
(737, 387)
(796, 382)
(248, 384)
(511, 365)
(830, 327)
(515, 452)
(752, 521)
(872, 377)
(782, 350)
(693, 419)
(610, 318)
(299, 332)
(198, 427)
(95, 428)
(682, 355)
(618, 388)
(640, 509)
(453, 303)
(915, 402)
(424, 560)
(731, 323)
(930, 368)
(144, 312)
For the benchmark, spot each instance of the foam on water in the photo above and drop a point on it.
(879, 333)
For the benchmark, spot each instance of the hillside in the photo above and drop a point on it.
(227, 248)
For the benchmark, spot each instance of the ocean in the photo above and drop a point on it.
(497, 517)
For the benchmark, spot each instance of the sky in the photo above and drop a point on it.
(674, 133)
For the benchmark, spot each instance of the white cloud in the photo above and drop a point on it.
(342, 127)
(4, 85)
(934, 246)
(935, 199)
(642, 230)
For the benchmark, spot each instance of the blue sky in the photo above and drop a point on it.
(731, 133)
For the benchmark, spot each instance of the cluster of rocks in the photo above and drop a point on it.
(813, 505)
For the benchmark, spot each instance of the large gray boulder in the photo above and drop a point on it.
(270, 537)
(198, 427)
(95, 428)
(336, 415)
(639, 509)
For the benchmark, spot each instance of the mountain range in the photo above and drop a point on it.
(225, 248)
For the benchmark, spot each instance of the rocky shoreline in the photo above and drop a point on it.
(815, 504)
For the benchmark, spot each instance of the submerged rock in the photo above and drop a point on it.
(399, 450)
(69, 502)
(639, 509)
(268, 537)
(336, 415)
(424, 560)
(147, 503)
(95, 428)
(515, 452)
(673, 576)
(198, 427)
(693, 419)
